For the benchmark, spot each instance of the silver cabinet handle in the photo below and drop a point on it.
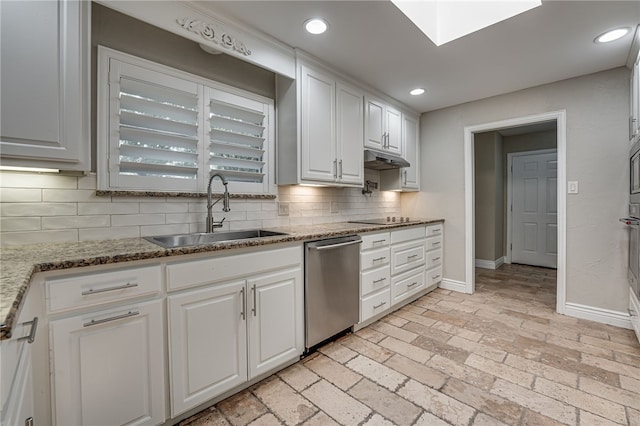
(436, 258)
(335, 168)
(435, 277)
(412, 284)
(437, 243)
(117, 317)
(380, 305)
(104, 290)
(378, 241)
(340, 168)
(32, 333)
(255, 306)
(244, 303)
(380, 280)
(379, 259)
(413, 256)
(332, 246)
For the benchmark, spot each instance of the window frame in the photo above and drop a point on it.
(108, 122)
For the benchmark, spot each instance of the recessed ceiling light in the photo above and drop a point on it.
(316, 25)
(612, 35)
(416, 92)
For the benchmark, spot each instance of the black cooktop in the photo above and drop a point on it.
(389, 220)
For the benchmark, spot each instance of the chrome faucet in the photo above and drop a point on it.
(225, 204)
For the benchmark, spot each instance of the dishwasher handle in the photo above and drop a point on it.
(339, 242)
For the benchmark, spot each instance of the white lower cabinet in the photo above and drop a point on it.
(408, 258)
(222, 334)
(108, 366)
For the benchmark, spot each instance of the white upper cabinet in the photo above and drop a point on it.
(406, 178)
(45, 104)
(383, 127)
(323, 144)
(634, 98)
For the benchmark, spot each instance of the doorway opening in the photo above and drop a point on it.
(536, 229)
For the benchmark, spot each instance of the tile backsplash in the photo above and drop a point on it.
(37, 208)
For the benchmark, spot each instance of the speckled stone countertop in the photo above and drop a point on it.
(19, 264)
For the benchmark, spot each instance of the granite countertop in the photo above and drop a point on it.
(19, 264)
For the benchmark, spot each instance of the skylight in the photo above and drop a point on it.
(446, 20)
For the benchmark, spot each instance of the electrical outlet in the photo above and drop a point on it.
(333, 207)
(572, 187)
(283, 209)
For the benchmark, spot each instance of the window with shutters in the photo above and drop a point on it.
(161, 129)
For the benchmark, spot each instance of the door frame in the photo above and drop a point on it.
(469, 194)
(507, 258)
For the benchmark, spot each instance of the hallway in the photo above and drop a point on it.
(499, 356)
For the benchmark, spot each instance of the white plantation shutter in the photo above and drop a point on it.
(168, 130)
(238, 139)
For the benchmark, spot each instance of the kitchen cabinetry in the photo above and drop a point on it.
(45, 61)
(375, 293)
(434, 241)
(407, 263)
(634, 100)
(16, 386)
(113, 353)
(383, 127)
(406, 178)
(331, 130)
(244, 319)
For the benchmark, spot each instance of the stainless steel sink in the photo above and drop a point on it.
(185, 240)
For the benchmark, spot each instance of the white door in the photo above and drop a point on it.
(350, 136)
(374, 126)
(207, 343)
(535, 210)
(410, 178)
(275, 320)
(107, 359)
(393, 120)
(319, 160)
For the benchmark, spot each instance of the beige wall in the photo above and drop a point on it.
(597, 147)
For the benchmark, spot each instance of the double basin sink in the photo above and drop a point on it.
(197, 239)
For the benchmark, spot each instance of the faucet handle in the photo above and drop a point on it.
(215, 224)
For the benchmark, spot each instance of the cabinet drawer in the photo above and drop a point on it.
(374, 258)
(407, 234)
(434, 258)
(371, 241)
(374, 304)
(406, 284)
(230, 266)
(407, 256)
(434, 275)
(434, 230)
(374, 280)
(100, 288)
(434, 243)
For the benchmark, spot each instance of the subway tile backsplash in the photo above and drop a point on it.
(38, 208)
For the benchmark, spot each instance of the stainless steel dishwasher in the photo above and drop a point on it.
(332, 287)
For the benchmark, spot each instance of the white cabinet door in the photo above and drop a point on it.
(207, 343)
(349, 138)
(318, 114)
(112, 358)
(276, 334)
(45, 84)
(410, 175)
(393, 120)
(375, 125)
(634, 107)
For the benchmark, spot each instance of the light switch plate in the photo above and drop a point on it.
(572, 187)
(283, 209)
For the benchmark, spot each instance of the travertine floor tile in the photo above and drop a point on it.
(501, 356)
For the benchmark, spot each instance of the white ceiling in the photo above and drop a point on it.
(374, 42)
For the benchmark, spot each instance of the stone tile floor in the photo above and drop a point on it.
(499, 356)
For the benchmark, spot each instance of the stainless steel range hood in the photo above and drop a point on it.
(383, 161)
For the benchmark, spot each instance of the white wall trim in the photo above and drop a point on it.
(605, 316)
(510, 191)
(469, 192)
(489, 264)
(453, 285)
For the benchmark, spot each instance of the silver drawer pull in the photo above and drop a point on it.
(379, 259)
(380, 305)
(435, 277)
(244, 303)
(117, 317)
(413, 283)
(436, 258)
(379, 281)
(413, 256)
(32, 333)
(104, 290)
(378, 241)
(437, 243)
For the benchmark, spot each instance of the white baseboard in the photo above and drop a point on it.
(605, 316)
(453, 285)
(489, 264)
